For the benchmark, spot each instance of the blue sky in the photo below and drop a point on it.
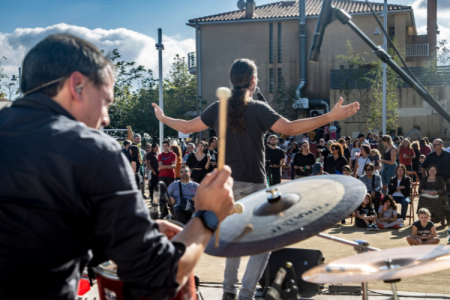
(131, 26)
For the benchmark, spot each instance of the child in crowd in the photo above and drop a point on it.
(387, 214)
(421, 160)
(423, 230)
(366, 215)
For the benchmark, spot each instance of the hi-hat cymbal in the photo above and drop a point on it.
(306, 207)
(373, 266)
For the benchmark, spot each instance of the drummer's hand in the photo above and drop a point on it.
(168, 229)
(340, 112)
(215, 193)
(158, 112)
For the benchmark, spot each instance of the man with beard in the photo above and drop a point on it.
(276, 157)
(182, 194)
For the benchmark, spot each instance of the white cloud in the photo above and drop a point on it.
(132, 45)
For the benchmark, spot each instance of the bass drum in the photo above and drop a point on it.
(110, 286)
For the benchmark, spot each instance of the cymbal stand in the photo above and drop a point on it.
(360, 246)
(392, 282)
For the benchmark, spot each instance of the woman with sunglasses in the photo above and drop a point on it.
(303, 161)
(362, 161)
(335, 163)
(373, 184)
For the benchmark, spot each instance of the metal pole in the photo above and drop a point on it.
(384, 70)
(160, 48)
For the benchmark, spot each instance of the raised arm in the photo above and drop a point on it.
(339, 112)
(183, 126)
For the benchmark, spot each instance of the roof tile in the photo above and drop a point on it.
(287, 9)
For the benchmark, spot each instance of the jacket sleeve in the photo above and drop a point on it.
(378, 186)
(407, 190)
(392, 186)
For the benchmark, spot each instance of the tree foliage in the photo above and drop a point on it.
(283, 98)
(2, 77)
(133, 106)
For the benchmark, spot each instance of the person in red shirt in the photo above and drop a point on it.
(406, 154)
(167, 161)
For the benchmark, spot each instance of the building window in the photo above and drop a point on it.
(271, 44)
(279, 42)
(280, 77)
(271, 81)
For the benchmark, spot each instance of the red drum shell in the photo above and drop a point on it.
(110, 286)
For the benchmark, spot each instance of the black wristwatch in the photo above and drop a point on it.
(209, 219)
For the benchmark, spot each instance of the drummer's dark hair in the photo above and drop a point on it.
(58, 56)
(241, 74)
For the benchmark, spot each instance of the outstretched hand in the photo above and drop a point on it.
(159, 113)
(341, 112)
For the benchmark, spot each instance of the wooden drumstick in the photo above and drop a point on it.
(238, 208)
(223, 94)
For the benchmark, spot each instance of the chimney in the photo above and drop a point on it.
(249, 9)
(432, 26)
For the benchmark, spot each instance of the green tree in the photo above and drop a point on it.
(283, 98)
(2, 77)
(393, 82)
(355, 75)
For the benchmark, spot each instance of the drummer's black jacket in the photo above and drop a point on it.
(67, 193)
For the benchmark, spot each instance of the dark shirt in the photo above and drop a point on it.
(368, 210)
(193, 163)
(441, 161)
(325, 154)
(415, 161)
(406, 182)
(245, 151)
(423, 231)
(214, 157)
(301, 160)
(334, 166)
(78, 200)
(126, 152)
(274, 155)
(153, 158)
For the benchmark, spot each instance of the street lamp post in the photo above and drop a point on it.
(160, 48)
(17, 78)
(9, 86)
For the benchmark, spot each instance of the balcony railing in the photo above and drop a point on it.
(192, 63)
(417, 50)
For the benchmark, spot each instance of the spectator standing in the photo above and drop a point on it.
(136, 163)
(366, 215)
(153, 166)
(199, 163)
(182, 194)
(126, 145)
(387, 214)
(317, 169)
(305, 138)
(326, 131)
(423, 230)
(326, 152)
(406, 155)
(362, 139)
(337, 161)
(176, 149)
(333, 130)
(348, 140)
(213, 143)
(424, 148)
(369, 138)
(396, 142)
(167, 161)
(347, 152)
(276, 157)
(380, 146)
(374, 142)
(190, 148)
(416, 160)
(375, 157)
(303, 161)
(355, 152)
(320, 147)
(291, 155)
(432, 190)
(312, 136)
(338, 130)
(400, 188)
(427, 141)
(373, 185)
(389, 163)
(362, 161)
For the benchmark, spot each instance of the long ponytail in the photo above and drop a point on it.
(241, 75)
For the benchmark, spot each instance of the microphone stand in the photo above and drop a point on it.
(345, 19)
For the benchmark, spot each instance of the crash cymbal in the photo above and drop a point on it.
(305, 207)
(373, 266)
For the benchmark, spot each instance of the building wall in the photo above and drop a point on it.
(412, 109)
(223, 43)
